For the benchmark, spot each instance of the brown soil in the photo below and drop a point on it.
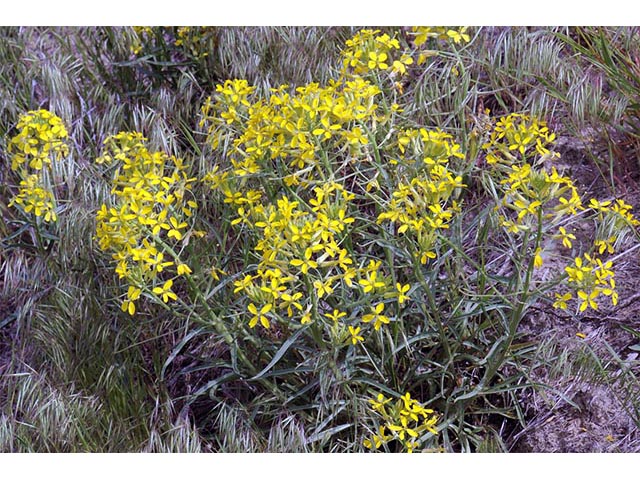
(593, 408)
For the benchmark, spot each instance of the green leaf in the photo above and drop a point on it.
(213, 385)
(8, 319)
(325, 435)
(280, 353)
(377, 385)
(177, 349)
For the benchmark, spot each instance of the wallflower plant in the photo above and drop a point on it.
(41, 139)
(358, 256)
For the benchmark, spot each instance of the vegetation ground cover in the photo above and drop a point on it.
(223, 239)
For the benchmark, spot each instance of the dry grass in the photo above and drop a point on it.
(77, 375)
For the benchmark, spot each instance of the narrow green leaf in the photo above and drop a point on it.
(280, 353)
(177, 349)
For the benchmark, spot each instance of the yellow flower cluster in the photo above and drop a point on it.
(423, 206)
(535, 194)
(614, 214)
(302, 262)
(516, 137)
(149, 221)
(142, 36)
(289, 129)
(195, 40)
(231, 105)
(287, 148)
(405, 421)
(538, 196)
(431, 147)
(588, 275)
(421, 36)
(192, 40)
(590, 278)
(370, 51)
(530, 190)
(301, 259)
(41, 138)
(34, 197)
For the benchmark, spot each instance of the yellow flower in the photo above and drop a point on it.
(355, 338)
(348, 276)
(216, 272)
(289, 301)
(370, 283)
(403, 428)
(133, 293)
(401, 292)
(605, 245)
(259, 315)
(378, 440)
(305, 264)
(376, 317)
(337, 314)
(273, 287)
(400, 65)
(377, 61)
(355, 136)
(175, 230)
(379, 403)
(458, 35)
(588, 299)
(561, 301)
(576, 274)
(537, 261)
(526, 207)
(156, 262)
(183, 269)
(426, 256)
(165, 291)
(566, 237)
(323, 288)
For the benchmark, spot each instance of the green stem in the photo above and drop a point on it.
(315, 327)
(518, 312)
(214, 319)
(433, 307)
(376, 155)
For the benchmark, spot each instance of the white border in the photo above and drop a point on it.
(319, 466)
(319, 12)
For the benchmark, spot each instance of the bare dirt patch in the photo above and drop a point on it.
(592, 403)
